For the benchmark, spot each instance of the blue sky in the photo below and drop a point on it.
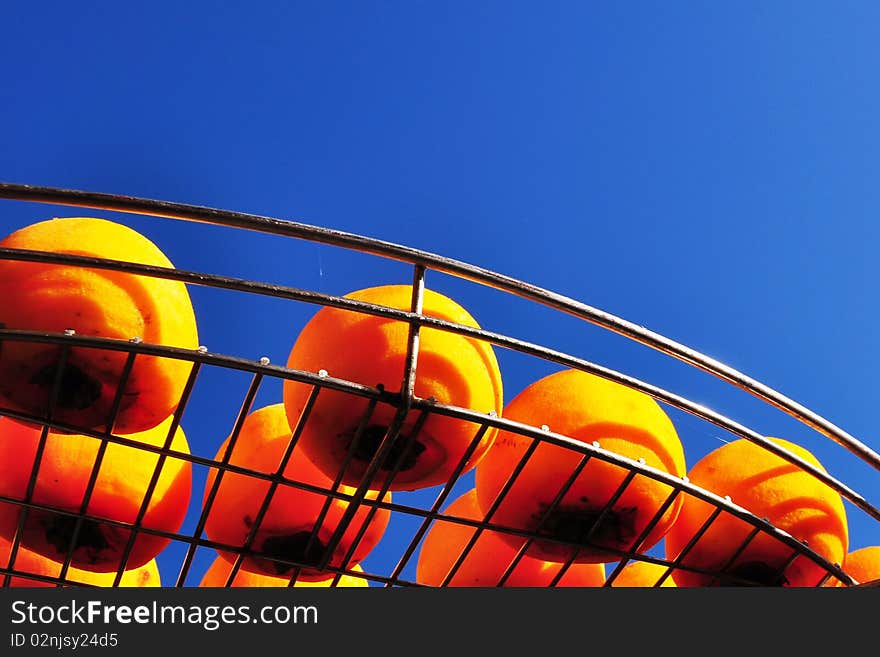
(707, 170)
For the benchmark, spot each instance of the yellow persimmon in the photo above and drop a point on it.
(286, 530)
(62, 480)
(770, 487)
(218, 573)
(92, 302)
(643, 574)
(587, 408)
(371, 350)
(489, 557)
(28, 562)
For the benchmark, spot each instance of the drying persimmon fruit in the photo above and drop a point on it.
(30, 566)
(371, 350)
(93, 302)
(489, 558)
(62, 480)
(218, 573)
(588, 408)
(285, 533)
(643, 574)
(768, 486)
(863, 565)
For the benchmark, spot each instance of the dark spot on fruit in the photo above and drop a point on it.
(578, 525)
(402, 448)
(757, 573)
(77, 391)
(59, 534)
(292, 547)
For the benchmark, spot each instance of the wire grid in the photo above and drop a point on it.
(405, 402)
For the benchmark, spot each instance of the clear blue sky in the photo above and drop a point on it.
(708, 170)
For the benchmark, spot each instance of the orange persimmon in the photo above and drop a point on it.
(489, 557)
(92, 302)
(770, 487)
(863, 565)
(27, 563)
(587, 408)
(285, 533)
(370, 350)
(218, 573)
(643, 574)
(122, 482)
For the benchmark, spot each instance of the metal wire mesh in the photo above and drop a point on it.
(403, 401)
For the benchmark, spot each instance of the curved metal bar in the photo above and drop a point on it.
(202, 214)
(415, 319)
(264, 368)
(676, 483)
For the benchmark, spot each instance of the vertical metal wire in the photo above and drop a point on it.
(487, 516)
(678, 560)
(438, 502)
(563, 569)
(99, 457)
(61, 363)
(273, 485)
(383, 491)
(780, 572)
(722, 572)
(243, 411)
(417, 304)
(548, 512)
(827, 576)
(157, 470)
(606, 509)
(634, 548)
(337, 482)
(391, 435)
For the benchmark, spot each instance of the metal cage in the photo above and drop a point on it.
(405, 401)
